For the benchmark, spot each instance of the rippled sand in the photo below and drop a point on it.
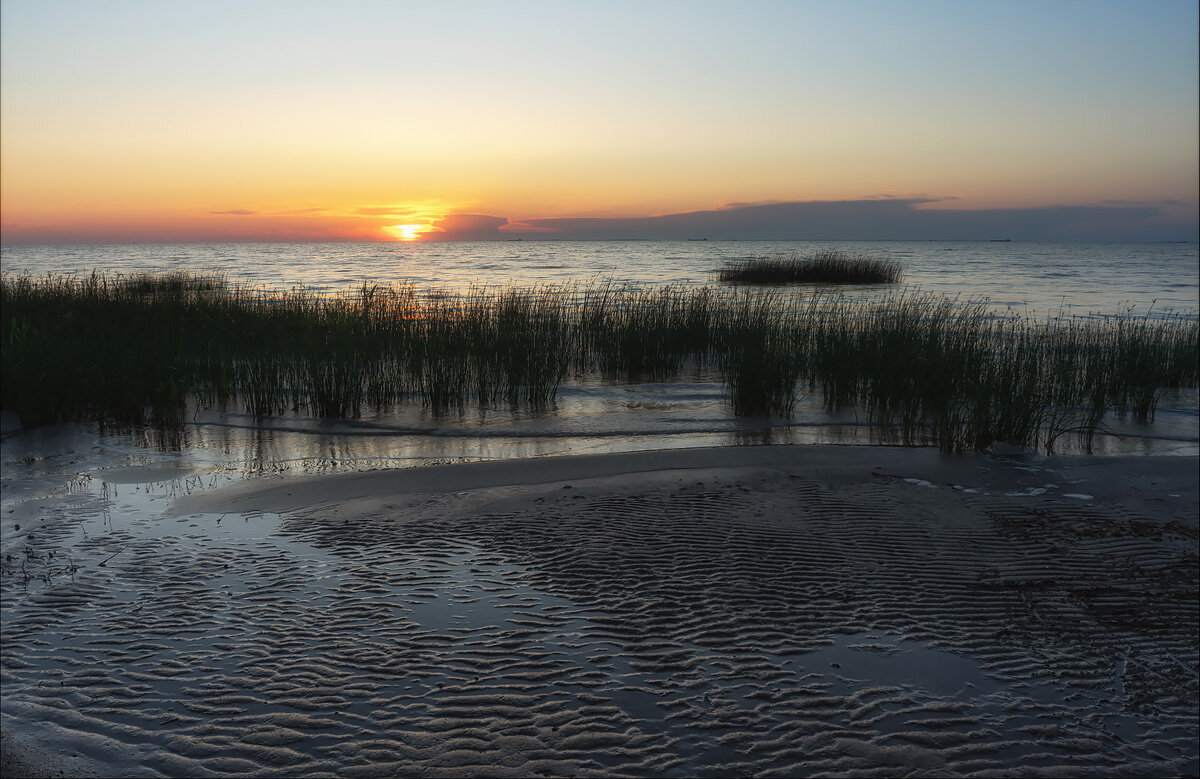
(758, 610)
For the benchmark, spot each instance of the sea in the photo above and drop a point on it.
(1039, 277)
(1035, 279)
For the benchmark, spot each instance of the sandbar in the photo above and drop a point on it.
(765, 610)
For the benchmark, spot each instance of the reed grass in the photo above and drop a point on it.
(824, 267)
(918, 367)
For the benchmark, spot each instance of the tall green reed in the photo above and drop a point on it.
(918, 367)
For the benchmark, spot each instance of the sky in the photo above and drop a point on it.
(150, 121)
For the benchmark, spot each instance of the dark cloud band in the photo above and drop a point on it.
(873, 219)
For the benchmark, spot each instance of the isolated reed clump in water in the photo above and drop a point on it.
(824, 267)
(918, 367)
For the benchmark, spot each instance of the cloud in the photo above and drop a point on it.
(748, 203)
(909, 196)
(517, 228)
(382, 211)
(406, 211)
(467, 227)
(1143, 202)
(234, 212)
(897, 218)
(303, 211)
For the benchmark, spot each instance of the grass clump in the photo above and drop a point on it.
(917, 367)
(637, 333)
(174, 283)
(761, 354)
(824, 267)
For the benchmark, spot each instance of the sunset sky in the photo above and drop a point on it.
(210, 121)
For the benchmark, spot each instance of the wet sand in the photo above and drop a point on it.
(775, 611)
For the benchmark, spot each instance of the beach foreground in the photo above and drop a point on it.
(746, 610)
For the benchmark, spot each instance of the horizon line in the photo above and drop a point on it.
(11, 244)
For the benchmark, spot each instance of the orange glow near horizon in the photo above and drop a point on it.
(409, 232)
(484, 125)
(419, 218)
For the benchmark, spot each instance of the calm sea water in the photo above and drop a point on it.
(602, 417)
(1102, 277)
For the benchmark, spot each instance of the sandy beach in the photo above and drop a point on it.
(774, 611)
(609, 389)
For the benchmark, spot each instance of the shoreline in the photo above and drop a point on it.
(645, 613)
(1017, 471)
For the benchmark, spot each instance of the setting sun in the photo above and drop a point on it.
(408, 232)
(704, 311)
